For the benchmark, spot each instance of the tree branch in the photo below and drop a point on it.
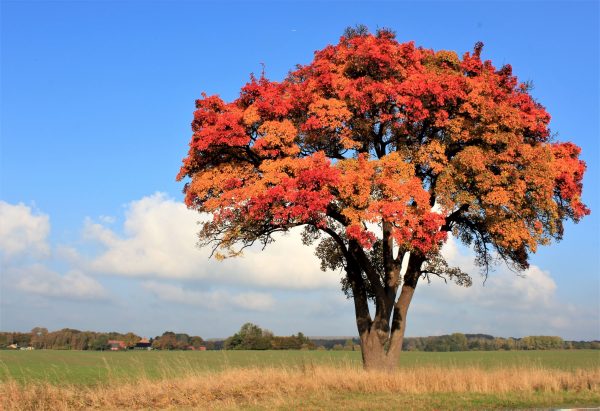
(359, 291)
(453, 217)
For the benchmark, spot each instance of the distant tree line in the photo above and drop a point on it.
(252, 337)
(483, 342)
(66, 339)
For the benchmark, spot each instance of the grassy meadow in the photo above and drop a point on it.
(297, 380)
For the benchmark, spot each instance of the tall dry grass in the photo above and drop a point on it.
(247, 387)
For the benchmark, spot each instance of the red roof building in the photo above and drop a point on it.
(116, 345)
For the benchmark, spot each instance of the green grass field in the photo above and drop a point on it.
(93, 367)
(307, 380)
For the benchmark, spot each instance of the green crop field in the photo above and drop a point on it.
(93, 367)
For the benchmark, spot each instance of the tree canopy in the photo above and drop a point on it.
(381, 149)
(376, 131)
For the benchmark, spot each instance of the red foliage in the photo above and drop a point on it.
(374, 131)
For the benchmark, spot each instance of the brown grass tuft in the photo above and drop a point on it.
(250, 386)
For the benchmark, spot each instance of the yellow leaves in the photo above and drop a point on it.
(450, 58)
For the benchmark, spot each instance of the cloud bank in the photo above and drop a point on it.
(150, 264)
(22, 233)
(26, 254)
(159, 241)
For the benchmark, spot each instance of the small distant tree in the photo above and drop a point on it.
(381, 150)
(196, 341)
(182, 341)
(458, 342)
(100, 343)
(167, 341)
(130, 339)
(249, 337)
(38, 337)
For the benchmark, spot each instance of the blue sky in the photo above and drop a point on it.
(97, 98)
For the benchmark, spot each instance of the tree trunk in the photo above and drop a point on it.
(381, 344)
(382, 336)
(374, 355)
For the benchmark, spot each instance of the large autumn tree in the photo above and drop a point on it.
(381, 150)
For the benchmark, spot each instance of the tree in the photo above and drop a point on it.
(249, 337)
(101, 343)
(131, 339)
(38, 336)
(196, 341)
(381, 150)
(167, 341)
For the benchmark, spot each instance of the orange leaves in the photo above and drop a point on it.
(380, 131)
(472, 159)
(497, 197)
(356, 182)
(215, 186)
(432, 155)
(447, 60)
(251, 115)
(277, 138)
(330, 113)
(330, 116)
(394, 177)
(287, 191)
(373, 191)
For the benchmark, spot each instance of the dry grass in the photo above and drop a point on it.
(274, 387)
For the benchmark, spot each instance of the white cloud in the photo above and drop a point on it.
(503, 287)
(24, 244)
(214, 300)
(37, 279)
(160, 237)
(156, 243)
(22, 233)
(507, 304)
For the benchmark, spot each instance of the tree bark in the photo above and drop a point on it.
(381, 336)
(374, 355)
(381, 342)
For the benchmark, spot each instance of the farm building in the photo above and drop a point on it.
(143, 344)
(117, 345)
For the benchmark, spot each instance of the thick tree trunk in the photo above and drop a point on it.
(382, 336)
(381, 342)
(374, 354)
